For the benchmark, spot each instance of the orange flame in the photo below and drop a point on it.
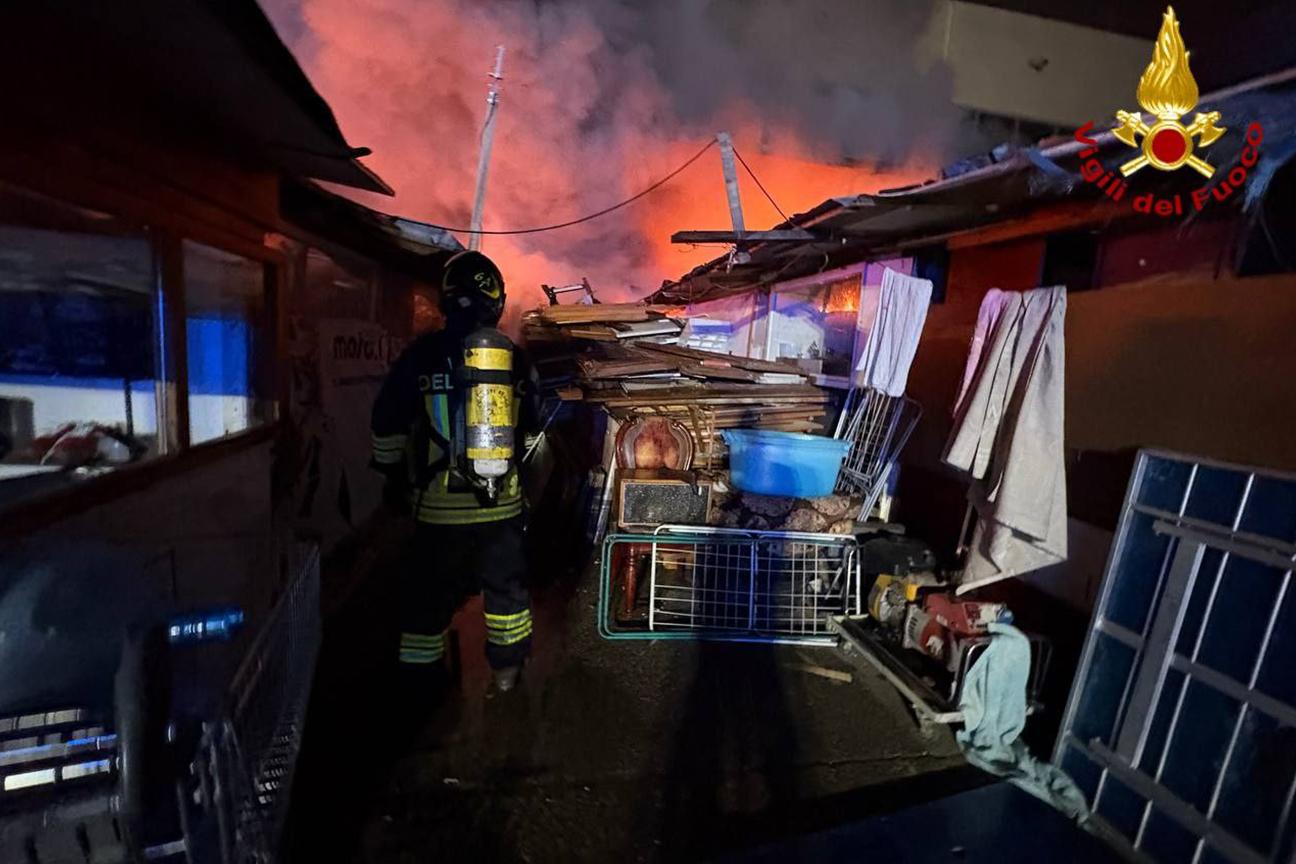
(843, 296)
(1167, 88)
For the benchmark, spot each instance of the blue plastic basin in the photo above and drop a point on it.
(788, 464)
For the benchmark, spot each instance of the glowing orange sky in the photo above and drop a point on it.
(408, 80)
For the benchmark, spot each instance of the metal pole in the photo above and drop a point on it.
(731, 182)
(483, 156)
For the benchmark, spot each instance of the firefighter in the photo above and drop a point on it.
(468, 535)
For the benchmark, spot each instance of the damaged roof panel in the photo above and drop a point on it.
(850, 228)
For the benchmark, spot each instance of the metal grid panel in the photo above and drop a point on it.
(878, 426)
(748, 585)
(1181, 727)
(251, 756)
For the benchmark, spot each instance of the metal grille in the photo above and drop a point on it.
(878, 426)
(1181, 728)
(251, 757)
(750, 585)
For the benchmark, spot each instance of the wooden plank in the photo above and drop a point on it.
(717, 390)
(786, 235)
(1044, 220)
(601, 313)
(765, 417)
(595, 334)
(718, 372)
(596, 368)
(748, 363)
(653, 397)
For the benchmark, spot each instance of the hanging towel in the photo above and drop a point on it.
(893, 339)
(994, 714)
(1007, 436)
(992, 306)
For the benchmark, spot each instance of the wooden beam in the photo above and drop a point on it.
(787, 235)
(1044, 220)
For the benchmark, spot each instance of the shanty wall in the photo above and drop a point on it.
(198, 538)
(215, 524)
(1182, 361)
(193, 529)
(347, 321)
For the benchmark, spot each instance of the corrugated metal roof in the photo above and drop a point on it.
(854, 228)
(420, 250)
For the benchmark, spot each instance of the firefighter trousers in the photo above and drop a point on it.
(447, 564)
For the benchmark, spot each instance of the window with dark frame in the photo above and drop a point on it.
(226, 335)
(88, 359)
(817, 322)
(81, 378)
(1071, 259)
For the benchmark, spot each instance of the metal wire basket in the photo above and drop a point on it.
(256, 747)
(878, 426)
(729, 584)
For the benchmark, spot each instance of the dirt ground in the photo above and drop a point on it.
(630, 751)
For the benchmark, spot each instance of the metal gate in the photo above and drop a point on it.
(1181, 727)
(723, 583)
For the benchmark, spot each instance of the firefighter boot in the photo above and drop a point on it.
(506, 679)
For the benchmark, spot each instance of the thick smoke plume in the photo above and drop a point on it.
(602, 97)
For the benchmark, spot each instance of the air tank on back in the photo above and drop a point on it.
(489, 414)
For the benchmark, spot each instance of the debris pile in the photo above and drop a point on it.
(626, 359)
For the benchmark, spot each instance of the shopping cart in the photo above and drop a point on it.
(727, 584)
(878, 426)
(137, 773)
(254, 748)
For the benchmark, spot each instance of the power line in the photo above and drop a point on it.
(756, 180)
(606, 210)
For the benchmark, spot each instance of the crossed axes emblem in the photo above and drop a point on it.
(1167, 144)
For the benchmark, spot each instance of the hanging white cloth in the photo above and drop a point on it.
(1008, 436)
(893, 338)
(991, 307)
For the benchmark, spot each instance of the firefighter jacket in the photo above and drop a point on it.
(419, 434)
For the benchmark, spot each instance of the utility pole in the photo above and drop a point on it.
(484, 153)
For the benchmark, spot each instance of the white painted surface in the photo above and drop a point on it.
(212, 417)
(1084, 74)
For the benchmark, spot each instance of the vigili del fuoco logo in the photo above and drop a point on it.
(1168, 92)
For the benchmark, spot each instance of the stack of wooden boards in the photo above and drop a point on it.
(635, 375)
(599, 322)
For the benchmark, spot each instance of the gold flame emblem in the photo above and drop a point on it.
(1168, 91)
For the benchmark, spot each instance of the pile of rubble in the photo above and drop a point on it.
(627, 359)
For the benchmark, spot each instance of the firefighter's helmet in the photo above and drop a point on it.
(472, 291)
